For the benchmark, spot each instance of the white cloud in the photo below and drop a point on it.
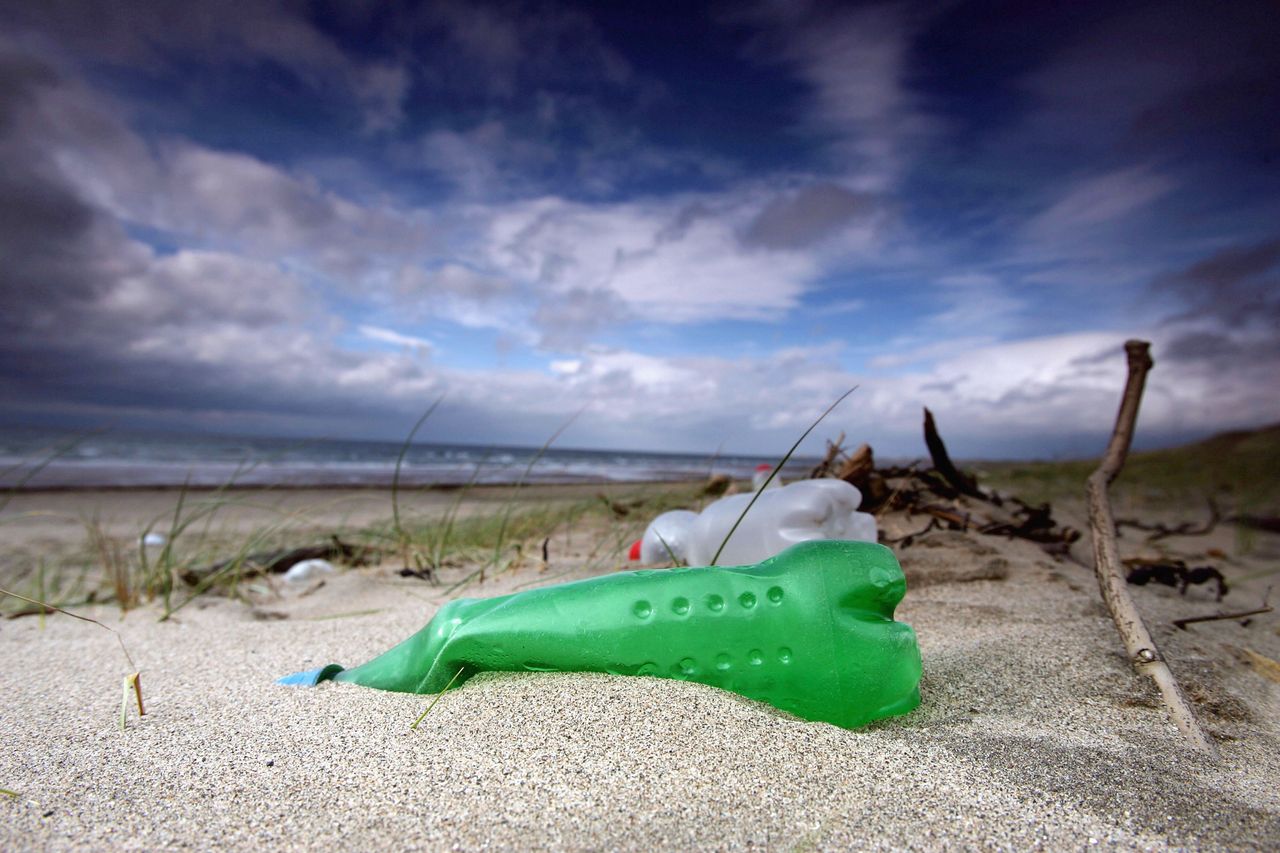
(1098, 200)
(660, 270)
(855, 61)
(565, 367)
(194, 286)
(418, 345)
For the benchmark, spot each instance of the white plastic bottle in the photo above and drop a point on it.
(797, 512)
(666, 537)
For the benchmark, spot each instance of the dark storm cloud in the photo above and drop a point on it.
(155, 35)
(1236, 284)
(807, 216)
(90, 318)
(1163, 77)
(55, 246)
(1222, 333)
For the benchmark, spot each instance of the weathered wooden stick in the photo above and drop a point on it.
(1218, 617)
(961, 482)
(1143, 653)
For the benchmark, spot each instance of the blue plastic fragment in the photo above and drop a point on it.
(311, 677)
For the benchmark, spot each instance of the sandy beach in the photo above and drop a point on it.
(1033, 732)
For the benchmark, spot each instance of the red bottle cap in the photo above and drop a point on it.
(635, 550)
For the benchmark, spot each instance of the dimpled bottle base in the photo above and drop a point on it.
(809, 631)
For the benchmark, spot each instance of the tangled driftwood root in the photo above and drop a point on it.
(948, 498)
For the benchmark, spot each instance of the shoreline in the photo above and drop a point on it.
(353, 487)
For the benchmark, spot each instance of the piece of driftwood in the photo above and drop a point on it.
(1218, 617)
(916, 490)
(860, 465)
(716, 485)
(1270, 524)
(960, 481)
(1144, 655)
(1034, 523)
(826, 467)
(276, 562)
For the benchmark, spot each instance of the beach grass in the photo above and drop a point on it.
(1240, 468)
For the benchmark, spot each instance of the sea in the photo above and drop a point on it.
(44, 459)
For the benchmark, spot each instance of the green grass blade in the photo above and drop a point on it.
(423, 715)
(506, 515)
(776, 469)
(400, 461)
(119, 639)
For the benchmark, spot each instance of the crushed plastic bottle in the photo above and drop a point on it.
(306, 570)
(798, 512)
(809, 631)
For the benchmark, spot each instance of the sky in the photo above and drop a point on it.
(686, 226)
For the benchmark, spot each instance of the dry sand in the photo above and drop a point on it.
(1033, 731)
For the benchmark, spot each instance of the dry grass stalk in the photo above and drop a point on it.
(1143, 653)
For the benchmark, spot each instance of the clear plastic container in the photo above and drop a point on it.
(666, 540)
(798, 512)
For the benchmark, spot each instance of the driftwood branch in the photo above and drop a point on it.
(827, 465)
(961, 482)
(1217, 617)
(1143, 653)
(275, 562)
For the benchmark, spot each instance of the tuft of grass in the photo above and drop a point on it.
(116, 570)
(438, 545)
(506, 513)
(524, 476)
(1241, 467)
(408, 550)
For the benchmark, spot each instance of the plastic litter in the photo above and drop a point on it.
(154, 539)
(306, 570)
(761, 474)
(798, 512)
(810, 631)
(668, 538)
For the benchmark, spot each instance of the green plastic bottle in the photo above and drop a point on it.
(809, 631)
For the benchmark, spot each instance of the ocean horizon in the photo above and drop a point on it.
(33, 458)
